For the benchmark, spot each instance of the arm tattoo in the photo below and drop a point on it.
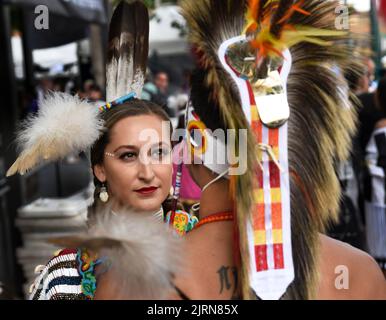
(225, 273)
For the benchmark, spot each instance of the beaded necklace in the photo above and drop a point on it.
(215, 217)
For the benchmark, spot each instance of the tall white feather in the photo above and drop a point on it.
(127, 50)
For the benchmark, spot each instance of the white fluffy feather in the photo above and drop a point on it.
(142, 253)
(64, 124)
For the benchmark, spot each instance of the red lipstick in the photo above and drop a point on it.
(146, 191)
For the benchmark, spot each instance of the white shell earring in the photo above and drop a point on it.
(103, 195)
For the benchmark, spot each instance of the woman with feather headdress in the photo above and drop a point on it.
(274, 68)
(130, 142)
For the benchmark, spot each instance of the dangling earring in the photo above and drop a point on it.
(103, 195)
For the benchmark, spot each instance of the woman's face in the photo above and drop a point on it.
(137, 164)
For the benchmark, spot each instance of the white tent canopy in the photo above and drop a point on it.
(163, 37)
(50, 58)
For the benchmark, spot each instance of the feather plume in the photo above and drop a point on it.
(322, 119)
(127, 50)
(64, 124)
(139, 252)
(276, 32)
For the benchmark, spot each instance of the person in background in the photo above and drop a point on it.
(368, 114)
(149, 88)
(157, 91)
(161, 81)
(95, 94)
(375, 204)
(350, 228)
(87, 85)
(177, 101)
(371, 75)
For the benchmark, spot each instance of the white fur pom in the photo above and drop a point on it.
(148, 256)
(141, 253)
(65, 124)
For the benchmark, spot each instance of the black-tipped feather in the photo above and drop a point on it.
(127, 50)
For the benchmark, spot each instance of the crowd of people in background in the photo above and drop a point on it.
(356, 224)
(157, 89)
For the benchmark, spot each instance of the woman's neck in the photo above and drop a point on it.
(216, 198)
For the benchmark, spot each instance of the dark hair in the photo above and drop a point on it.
(206, 107)
(111, 117)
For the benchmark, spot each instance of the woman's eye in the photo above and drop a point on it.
(128, 156)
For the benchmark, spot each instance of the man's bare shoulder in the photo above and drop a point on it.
(349, 273)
